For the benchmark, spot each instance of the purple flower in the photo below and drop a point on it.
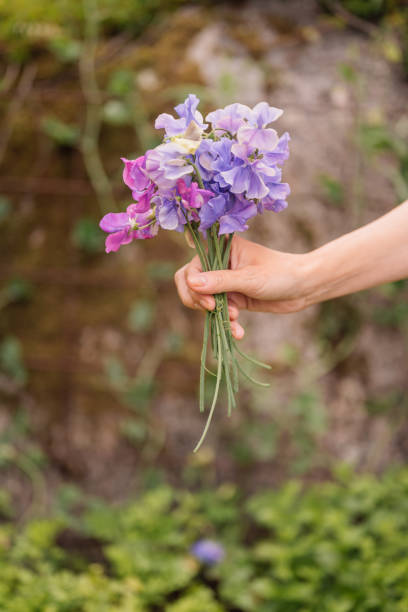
(125, 227)
(280, 152)
(213, 210)
(252, 165)
(277, 194)
(231, 211)
(192, 196)
(187, 112)
(182, 204)
(247, 178)
(262, 114)
(134, 175)
(166, 164)
(235, 219)
(214, 157)
(208, 551)
(235, 116)
(169, 214)
(230, 118)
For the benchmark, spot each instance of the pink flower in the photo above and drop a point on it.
(135, 223)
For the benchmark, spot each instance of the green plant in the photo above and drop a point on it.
(61, 133)
(86, 236)
(334, 547)
(11, 360)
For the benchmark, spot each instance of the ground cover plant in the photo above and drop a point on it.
(334, 547)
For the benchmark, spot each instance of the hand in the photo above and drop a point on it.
(259, 279)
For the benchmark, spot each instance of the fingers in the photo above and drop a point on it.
(189, 297)
(237, 330)
(219, 281)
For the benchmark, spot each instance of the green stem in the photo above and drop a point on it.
(216, 391)
(249, 377)
(198, 175)
(199, 247)
(203, 360)
(252, 359)
(225, 358)
(211, 251)
(227, 252)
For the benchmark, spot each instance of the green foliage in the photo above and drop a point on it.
(66, 50)
(87, 237)
(393, 311)
(17, 290)
(61, 133)
(332, 189)
(335, 547)
(5, 208)
(116, 112)
(378, 139)
(141, 315)
(11, 360)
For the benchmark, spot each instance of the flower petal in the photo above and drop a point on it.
(113, 222)
(114, 241)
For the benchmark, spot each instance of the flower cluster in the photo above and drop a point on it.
(222, 172)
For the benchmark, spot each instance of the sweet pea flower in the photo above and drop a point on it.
(181, 205)
(230, 118)
(192, 196)
(209, 552)
(214, 157)
(232, 213)
(166, 164)
(125, 227)
(262, 115)
(135, 176)
(277, 194)
(169, 214)
(187, 112)
(251, 166)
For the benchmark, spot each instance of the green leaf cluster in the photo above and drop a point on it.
(334, 547)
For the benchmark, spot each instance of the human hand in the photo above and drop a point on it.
(259, 279)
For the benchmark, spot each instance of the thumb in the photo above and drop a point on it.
(221, 280)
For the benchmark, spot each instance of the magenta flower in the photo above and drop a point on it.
(135, 176)
(125, 227)
(192, 196)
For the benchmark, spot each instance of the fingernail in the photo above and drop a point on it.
(198, 280)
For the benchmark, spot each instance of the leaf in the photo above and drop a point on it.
(63, 134)
(142, 315)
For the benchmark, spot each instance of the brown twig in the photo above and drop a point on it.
(23, 89)
(352, 20)
(93, 97)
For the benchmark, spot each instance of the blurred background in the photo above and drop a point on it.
(99, 361)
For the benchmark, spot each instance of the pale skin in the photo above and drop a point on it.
(265, 280)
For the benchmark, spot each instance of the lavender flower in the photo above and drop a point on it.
(208, 551)
(187, 112)
(166, 164)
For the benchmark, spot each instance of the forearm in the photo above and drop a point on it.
(374, 254)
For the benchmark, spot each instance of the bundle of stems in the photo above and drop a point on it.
(215, 255)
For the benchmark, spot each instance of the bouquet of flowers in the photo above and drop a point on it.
(207, 179)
